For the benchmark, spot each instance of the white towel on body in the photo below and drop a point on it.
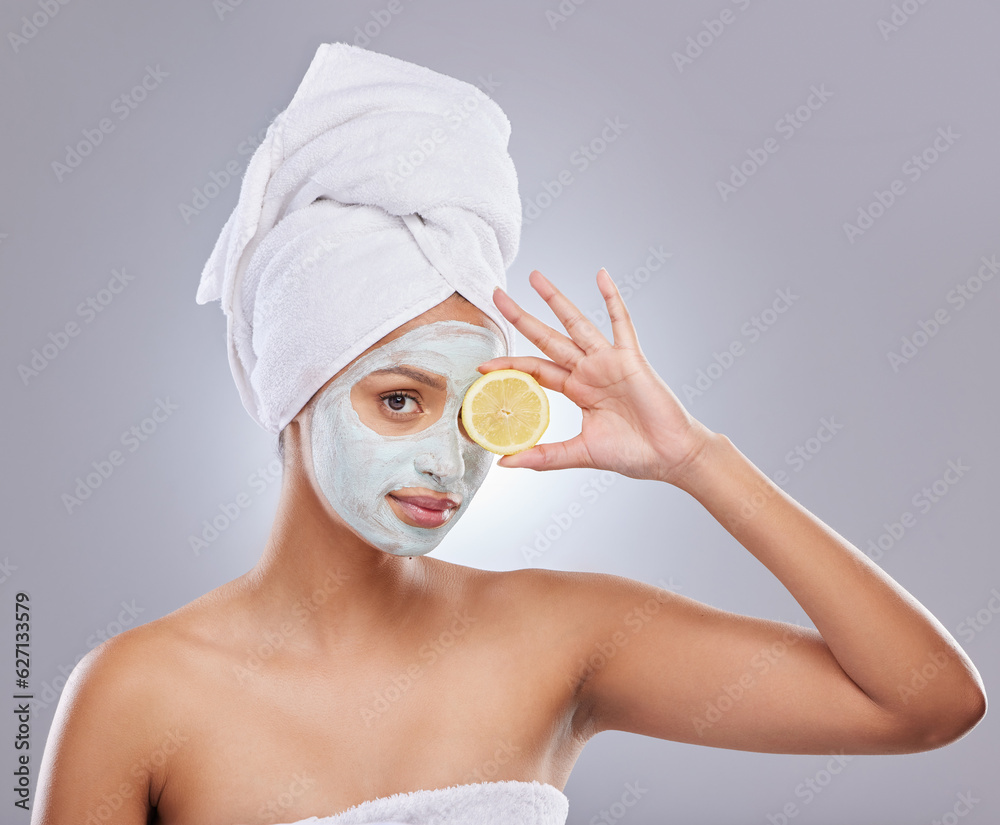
(379, 191)
(511, 802)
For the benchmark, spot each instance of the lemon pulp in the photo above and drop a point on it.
(505, 411)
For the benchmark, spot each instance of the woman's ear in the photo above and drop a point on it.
(290, 437)
(280, 447)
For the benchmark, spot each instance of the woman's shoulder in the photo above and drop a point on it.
(572, 595)
(152, 660)
(138, 693)
(540, 580)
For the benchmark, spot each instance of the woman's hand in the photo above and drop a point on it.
(633, 423)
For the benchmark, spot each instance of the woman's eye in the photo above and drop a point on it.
(400, 403)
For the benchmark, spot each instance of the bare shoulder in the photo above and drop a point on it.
(570, 625)
(574, 612)
(119, 717)
(160, 651)
(581, 596)
(137, 680)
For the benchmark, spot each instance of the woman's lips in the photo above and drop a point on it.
(423, 510)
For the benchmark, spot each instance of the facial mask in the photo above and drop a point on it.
(357, 467)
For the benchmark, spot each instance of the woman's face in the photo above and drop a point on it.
(388, 447)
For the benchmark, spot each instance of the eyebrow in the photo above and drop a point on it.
(415, 375)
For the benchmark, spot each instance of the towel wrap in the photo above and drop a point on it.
(379, 191)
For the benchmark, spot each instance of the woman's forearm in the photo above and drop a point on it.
(884, 639)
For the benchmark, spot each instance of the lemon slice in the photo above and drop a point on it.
(505, 411)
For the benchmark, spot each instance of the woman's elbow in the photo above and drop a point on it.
(949, 724)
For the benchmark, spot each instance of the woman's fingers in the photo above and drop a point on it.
(555, 345)
(621, 322)
(559, 455)
(549, 375)
(580, 328)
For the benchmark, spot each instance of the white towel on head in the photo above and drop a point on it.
(383, 188)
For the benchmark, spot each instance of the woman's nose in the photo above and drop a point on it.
(442, 459)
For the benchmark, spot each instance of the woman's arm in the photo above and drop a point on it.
(98, 761)
(887, 643)
(881, 675)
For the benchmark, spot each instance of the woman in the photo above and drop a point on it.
(193, 725)
(351, 676)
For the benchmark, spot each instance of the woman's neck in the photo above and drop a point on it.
(318, 574)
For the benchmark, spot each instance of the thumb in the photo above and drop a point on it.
(560, 455)
(531, 459)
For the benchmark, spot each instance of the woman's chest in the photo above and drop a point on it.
(288, 744)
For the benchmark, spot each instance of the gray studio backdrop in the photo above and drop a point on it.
(799, 200)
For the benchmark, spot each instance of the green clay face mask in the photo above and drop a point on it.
(358, 468)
